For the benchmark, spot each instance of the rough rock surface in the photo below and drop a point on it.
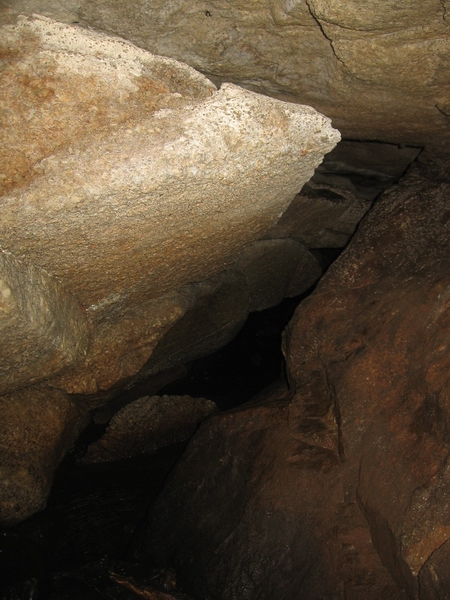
(367, 423)
(43, 328)
(38, 426)
(322, 216)
(251, 512)
(126, 177)
(369, 358)
(110, 147)
(380, 70)
(148, 424)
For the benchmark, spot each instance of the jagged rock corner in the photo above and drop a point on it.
(134, 193)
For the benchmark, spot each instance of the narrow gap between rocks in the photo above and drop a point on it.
(83, 545)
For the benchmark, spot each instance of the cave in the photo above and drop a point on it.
(224, 290)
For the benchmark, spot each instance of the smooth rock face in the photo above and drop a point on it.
(38, 426)
(276, 269)
(380, 70)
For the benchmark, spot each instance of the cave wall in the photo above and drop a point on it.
(380, 70)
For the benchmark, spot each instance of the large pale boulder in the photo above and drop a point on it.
(129, 185)
(127, 176)
(380, 70)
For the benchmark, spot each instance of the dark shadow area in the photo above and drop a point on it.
(245, 366)
(251, 361)
(81, 545)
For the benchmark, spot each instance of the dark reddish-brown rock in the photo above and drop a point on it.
(341, 489)
(371, 348)
(252, 512)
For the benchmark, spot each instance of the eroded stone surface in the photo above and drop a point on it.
(367, 423)
(122, 169)
(369, 358)
(38, 426)
(379, 70)
(148, 424)
(252, 512)
(43, 328)
(118, 188)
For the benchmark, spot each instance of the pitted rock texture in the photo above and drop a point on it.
(130, 184)
(123, 169)
(39, 425)
(380, 70)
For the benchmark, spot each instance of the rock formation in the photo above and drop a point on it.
(39, 425)
(361, 441)
(146, 210)
(148, 424)
(380, 70)
(130, 185)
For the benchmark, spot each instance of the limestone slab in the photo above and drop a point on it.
(379, 69)
(155, 186)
